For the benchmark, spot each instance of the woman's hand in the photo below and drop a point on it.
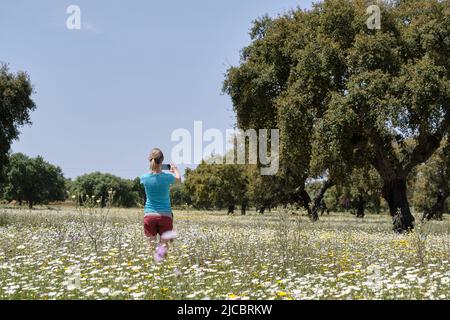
(174, 170)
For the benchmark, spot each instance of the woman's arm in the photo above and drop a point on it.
(174, 170)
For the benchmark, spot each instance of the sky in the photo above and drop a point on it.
(135, 71)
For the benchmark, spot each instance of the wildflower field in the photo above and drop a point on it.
(68, 253)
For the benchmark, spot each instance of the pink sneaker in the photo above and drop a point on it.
(160, 253)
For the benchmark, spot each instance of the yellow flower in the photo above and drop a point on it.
(281, 294)
(232, 295)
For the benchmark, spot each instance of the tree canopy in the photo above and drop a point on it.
(106, 188)
(33, 180)
(431, 183)
(15, 107)
(217, 185)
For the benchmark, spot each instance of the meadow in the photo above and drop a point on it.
(75, 253)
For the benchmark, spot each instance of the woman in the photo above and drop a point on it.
(158, 217)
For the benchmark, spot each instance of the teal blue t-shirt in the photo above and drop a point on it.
(157, 191)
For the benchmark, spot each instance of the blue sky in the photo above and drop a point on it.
(136, 71)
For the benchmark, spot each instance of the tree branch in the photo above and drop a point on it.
(427, 145)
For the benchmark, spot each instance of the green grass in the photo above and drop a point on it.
(271, 256)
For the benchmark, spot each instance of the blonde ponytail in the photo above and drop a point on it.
(153, 166)
(156, 159)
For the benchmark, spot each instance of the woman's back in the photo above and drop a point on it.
(157, 190)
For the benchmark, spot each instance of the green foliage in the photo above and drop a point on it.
(103, 186)
(263, 191)
(217, 185)
(179, 196)
(33, 180)
(362, 185)
(15, 107)
(139, 191)
(202, 184)
(431, 178)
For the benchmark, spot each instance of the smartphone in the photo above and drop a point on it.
(165, 167)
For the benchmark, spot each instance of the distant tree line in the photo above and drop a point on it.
(226, 186)
(35, 181)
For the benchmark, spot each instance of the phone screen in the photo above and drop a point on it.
(165, 167)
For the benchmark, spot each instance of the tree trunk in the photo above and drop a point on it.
(360, 206)
(230, 209)
(30, 203)
(243, 208)
(324, 208)
(261, 210)
(305, 200)
(377, 204)
(437, 210)
(318, 199)
(394, 192)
